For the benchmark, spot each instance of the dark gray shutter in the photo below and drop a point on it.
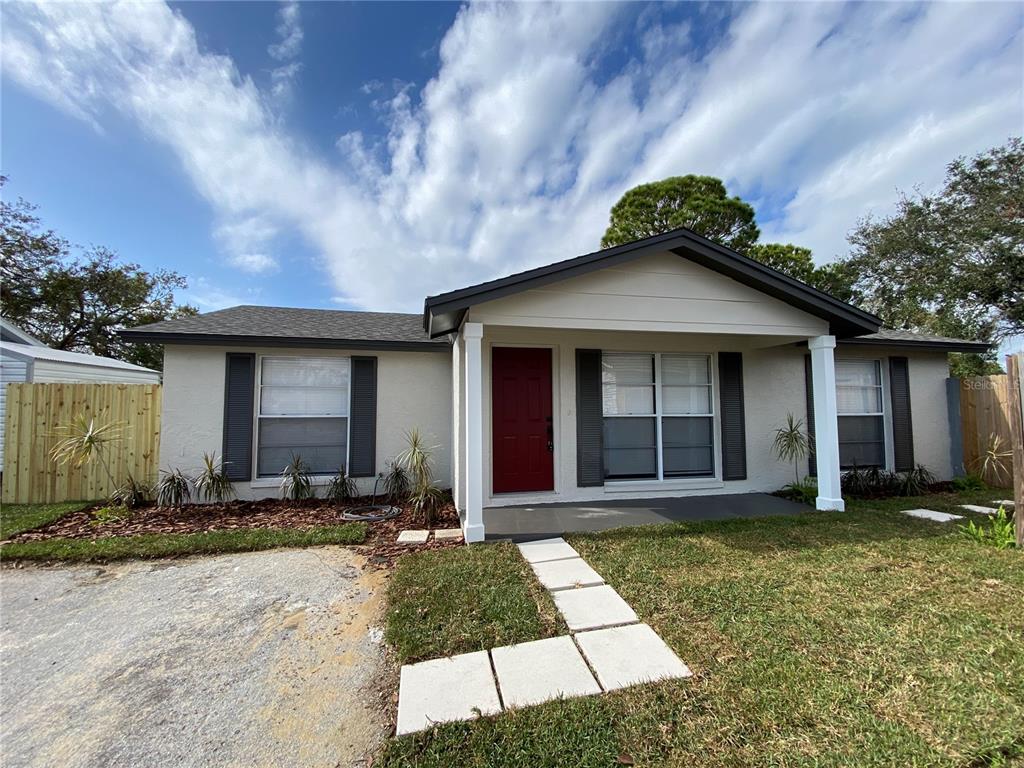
(902, 426)
(589, 419)
(734, 434)
(812, 461)
(362, 450)
(239, 394)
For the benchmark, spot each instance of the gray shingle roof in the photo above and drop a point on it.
(288, 325)
(897, 337)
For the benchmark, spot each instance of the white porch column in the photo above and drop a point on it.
(473, 526)
(826, 422)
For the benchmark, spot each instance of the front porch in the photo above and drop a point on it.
(540, 521)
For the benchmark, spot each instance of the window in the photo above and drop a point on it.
(658, 416)
(303, 410)
(859, 403)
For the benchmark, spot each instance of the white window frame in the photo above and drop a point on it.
(319, 479)
(882, 400)
(659, 414)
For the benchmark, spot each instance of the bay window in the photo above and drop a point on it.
(658, 416)
(859, 404)
(303, 411)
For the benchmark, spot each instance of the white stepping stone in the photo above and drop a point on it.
(413, 537)
(930, 514)
(446, 690)
(626, 656)
(532, 673)
(978, 509)
(1008, 503)
(546, 549)
(566, 574)
(445, 534)
(593, 608)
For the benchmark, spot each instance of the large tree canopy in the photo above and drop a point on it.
(77, 302)
(700, 203)
(951, 262)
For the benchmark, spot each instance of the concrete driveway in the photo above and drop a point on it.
(263, 659)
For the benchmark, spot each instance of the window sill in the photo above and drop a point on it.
(630, 486)
(275, 482)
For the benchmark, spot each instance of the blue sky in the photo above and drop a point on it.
(365, 155)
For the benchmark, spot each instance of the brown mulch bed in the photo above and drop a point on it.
(380, 544)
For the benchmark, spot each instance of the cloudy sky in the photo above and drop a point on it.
(366, 155)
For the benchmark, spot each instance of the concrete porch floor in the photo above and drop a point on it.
(541, 521)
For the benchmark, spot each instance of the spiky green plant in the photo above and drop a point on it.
(998, 534)
(396, 481)
(132, 493)
(424, 496)
(792, 443)
(296, 484)
(996, 461)
(173, 490)
(342, 488)
(213, 483)
(81, 440)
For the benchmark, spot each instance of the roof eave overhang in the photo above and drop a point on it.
(443, 314)
(229, 340)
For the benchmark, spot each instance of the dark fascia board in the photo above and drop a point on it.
(227, 340)
(440, 312)
(923, 345)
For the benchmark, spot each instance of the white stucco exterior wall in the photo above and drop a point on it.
(414, 389)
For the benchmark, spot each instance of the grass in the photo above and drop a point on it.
(15, 518)
(175, 544)
(468, 599)
(862, 638)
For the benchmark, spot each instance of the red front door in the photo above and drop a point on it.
(522, 430)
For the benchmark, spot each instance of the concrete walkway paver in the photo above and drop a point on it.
(413, 537)
(446, 690)
(979, 509)
(566, 574)
(1009, 503)
(624, 656)
(546, 549)
(593, 608)
(446, 534)
(532, 673)
(931, 514)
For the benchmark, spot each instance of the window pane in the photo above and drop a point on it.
(629, 448)
(628, 400)
(858, 399)
(321, 443)
(686, 399)
(685, 369)
(861, 441)
(624, 370)
(303, 401)
(306, 371)
(857, 373)
(688, 447)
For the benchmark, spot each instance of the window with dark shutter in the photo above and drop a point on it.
(902, 426)
(734, 439)
(239, 393)
(812, 462)
(589, 419)
(363, 416)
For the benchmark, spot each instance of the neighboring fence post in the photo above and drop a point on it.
(1016, 419)
(956, 433)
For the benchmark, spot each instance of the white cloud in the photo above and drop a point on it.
(513, 153)
(208, 297)
(289, 30)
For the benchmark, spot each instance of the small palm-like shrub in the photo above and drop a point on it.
(424, 496)
(792, 443)
(342, 487)
(132, 493)
(996, 462)
(212, 483)
(174, 490)
(296, 484)
(81, 440)
(917, 481)
(396, 482)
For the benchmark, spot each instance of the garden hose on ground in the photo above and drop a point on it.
(372, 512)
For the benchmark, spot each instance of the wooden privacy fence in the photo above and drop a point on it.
(984, 413)
(36, 411)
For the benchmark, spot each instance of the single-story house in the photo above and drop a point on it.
(25, 359)
(657, 368)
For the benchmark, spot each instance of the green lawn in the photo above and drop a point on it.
(15, 518)
(863, 638)
(467, 599)
(176, 544)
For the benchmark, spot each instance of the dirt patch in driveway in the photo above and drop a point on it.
(261, 659)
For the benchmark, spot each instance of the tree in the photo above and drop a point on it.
(78, 302)
(835, 278)
(951, 262)
(700, 203)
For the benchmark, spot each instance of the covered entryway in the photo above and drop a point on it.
(522, 429)
(541, 521)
